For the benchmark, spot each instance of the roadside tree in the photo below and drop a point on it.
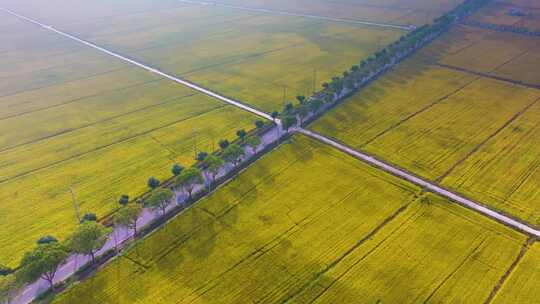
(189, 179)
(42, 262)
(89, 238)
(128, 216)
(159, 199)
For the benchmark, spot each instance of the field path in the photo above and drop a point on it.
(423, 183)
(276, 12)
(146, 67)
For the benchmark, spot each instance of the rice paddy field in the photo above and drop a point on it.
(519, 287)
(274, 235)
(505, 171)
(306, 223)
(510, 56)
(260, 59)
(400, 12)
(500, 13)
(71, 117)
(471, 132)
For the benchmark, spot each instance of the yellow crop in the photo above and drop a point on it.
(278, 234)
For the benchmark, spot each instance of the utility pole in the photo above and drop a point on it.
(284, 94)
(75, 205)
(195, 142)
(314, 79)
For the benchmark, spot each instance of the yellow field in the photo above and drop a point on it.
(412, 87)
(473, 133)
(520, 285)
(392, 11)
(261, 59)
(498, 13)
(73, 11)
(506, 171)
(511, 56)
(276, 234)
(431, 142)
(430, 255)
(74, 118)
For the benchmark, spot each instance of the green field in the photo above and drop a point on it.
(75, 118)
(260, 59)
(277, 234)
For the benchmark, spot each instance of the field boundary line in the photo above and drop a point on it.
(368, 237)
(512, 4)
(430, 186)
(508, 272)
(511, 29)
(488, 75)
(453, 272)
(186, 83)
(420, 111)
(98, 122)
(23, 91)
(285, 13)
(78, 99)
(106, 146)
(485, 141)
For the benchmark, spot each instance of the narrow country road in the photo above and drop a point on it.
(423, 183)
(276, 12)
(143, 66)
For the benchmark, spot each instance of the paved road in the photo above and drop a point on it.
(423, 183)
(143, 66)
(276, 12)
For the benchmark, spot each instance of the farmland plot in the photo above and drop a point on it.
(523, 3)
(511, 56)
(276, 233)
(428, 122)
(416, 12)
(432, 254)
(472, 132)
(74, 118)
(505, 172)
(431, 142)
(520, 285)
(260, 59)
(500, 14)
(411, 88)
(73, 11)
